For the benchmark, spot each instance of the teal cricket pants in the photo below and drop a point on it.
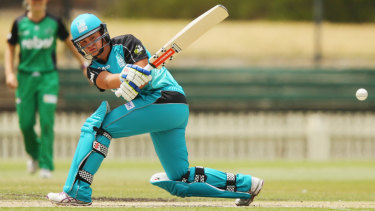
(165, 116)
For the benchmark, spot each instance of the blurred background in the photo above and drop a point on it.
(276, 80)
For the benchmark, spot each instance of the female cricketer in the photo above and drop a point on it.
(37, 83)
(156, 104)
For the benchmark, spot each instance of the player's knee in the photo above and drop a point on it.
(176, 188)
(180, 186)
(27, 126)
(176, 175)
(47, 129)
(183, 175)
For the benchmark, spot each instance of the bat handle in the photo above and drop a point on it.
(148, 67)
(117, 93)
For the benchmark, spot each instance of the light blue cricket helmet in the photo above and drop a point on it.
(85, 25)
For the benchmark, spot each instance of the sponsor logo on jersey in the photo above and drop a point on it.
(138, 49)
(129, 105)
(48, 31)
(105, 67)
(92, 76)
(26, 33)
(36, 43)
(120, 60)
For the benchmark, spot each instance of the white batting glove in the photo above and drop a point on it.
(135, 74)
(128, 90)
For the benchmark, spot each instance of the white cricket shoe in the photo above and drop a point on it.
(256, 187)
(32, 165)
(64, 199)
(45, 173)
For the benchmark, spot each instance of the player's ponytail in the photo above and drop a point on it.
(25, 5)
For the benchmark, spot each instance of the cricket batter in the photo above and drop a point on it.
(36, 83)
(156, 104)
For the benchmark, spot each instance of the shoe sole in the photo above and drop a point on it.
(255, 193)
(68, 204)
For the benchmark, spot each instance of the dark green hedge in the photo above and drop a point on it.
(244, 89)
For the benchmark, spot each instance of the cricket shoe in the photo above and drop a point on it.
(256, 187)
(45, 173)
(64, 199)
(32, 166)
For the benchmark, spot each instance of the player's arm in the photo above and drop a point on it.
(10, 49)
(128, 83)
(11, 79)
(77, 55)
(107, 80)
(142, 63)
(64, 35)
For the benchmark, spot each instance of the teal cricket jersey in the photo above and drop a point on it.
(127, 49)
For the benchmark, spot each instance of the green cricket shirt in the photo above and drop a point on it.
(37, 42)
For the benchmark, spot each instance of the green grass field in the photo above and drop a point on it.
(118, 183)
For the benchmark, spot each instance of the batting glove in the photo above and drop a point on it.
(135, 74)
(128, 90)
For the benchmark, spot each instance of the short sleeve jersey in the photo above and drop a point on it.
(127, 49)
(37, 42)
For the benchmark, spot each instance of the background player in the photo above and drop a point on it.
(156, 104)
(37, 81)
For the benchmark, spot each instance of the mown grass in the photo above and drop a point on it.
(284, 181)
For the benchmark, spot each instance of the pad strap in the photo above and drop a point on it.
(100, 148)
(231, 183)
(199, 174)
(101, 131)
(85, 176)
(185, 177)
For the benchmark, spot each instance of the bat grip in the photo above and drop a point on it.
(117, 93)
(148, 67)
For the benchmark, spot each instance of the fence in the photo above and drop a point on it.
(223, 136)
(245, 89)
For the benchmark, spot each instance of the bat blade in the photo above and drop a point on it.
(188, 35)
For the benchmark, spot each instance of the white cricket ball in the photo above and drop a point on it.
(361, 94)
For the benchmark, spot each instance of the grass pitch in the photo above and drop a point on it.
(124, 185)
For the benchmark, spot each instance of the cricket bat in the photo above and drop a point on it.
(187, 35)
